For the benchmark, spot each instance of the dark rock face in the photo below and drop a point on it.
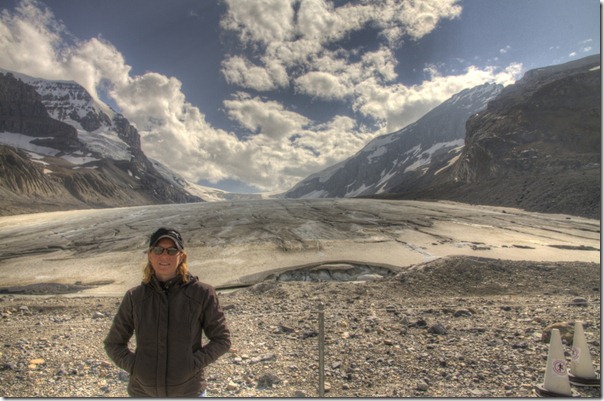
(53, 183)
(536, 146)
(546, 123)
(22, 111)
(128, 134)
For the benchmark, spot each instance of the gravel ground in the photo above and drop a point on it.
(455, 327)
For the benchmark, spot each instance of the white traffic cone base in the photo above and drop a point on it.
(582, 382)
(543, 392)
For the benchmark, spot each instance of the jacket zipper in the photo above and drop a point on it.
(167, 339)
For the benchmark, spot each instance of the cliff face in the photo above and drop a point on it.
(547, 123)
(60, 150)
(22, 111)
(537, 146)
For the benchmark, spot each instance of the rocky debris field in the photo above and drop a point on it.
(454, 327)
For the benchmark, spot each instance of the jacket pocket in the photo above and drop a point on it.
(144, 369)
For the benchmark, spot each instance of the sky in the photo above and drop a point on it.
(256, 95)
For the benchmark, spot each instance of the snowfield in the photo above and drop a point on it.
(233, 243)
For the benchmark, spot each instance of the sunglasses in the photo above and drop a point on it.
(158, 250)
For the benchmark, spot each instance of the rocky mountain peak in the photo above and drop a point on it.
(549, 121)
(66, 150)
(402, 156)
(536, 146)
(68, 101)
(22, 110)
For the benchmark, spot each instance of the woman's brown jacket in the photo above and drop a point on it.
(168, 321)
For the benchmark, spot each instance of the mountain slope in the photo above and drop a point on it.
(404, 156)
(59, 149)
(537, 146)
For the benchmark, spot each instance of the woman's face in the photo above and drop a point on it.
(165, 265)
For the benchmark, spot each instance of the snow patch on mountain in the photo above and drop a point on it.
(391, 160)
(23, 142)
(452, 160)
(358, 191)
(105, 143)
(315, 195)
(379, 146)
(55, 89)
(425, 157)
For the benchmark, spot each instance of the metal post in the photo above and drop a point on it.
(321, 351)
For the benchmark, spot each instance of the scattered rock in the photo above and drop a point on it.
(462, 312)
(422, 386)
(437, 329)
(579, 301)
(566, 332)
(268, 381)
(382, 338)
(286, 329)
(263, 358)
(232, 386)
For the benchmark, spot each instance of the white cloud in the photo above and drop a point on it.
(413, 18)
(34, 43)
(296, 39)
(399, 105)
(30, 40)
(296, 44)
(241, 72)
(309, 50)
(585, 45)
(320, 21)
(322, 85)
(267, 118)
(261, 21)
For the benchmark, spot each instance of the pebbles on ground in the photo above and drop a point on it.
(430, 333)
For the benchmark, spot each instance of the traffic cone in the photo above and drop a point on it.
(556, 383)
(581, 372)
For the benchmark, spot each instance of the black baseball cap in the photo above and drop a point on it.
(167, 233)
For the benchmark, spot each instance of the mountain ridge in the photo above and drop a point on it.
(61, 150)
(535, 145)
(390, 159)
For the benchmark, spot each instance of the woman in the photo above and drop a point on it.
(168, 313)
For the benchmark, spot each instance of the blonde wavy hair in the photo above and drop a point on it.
(182, 269)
